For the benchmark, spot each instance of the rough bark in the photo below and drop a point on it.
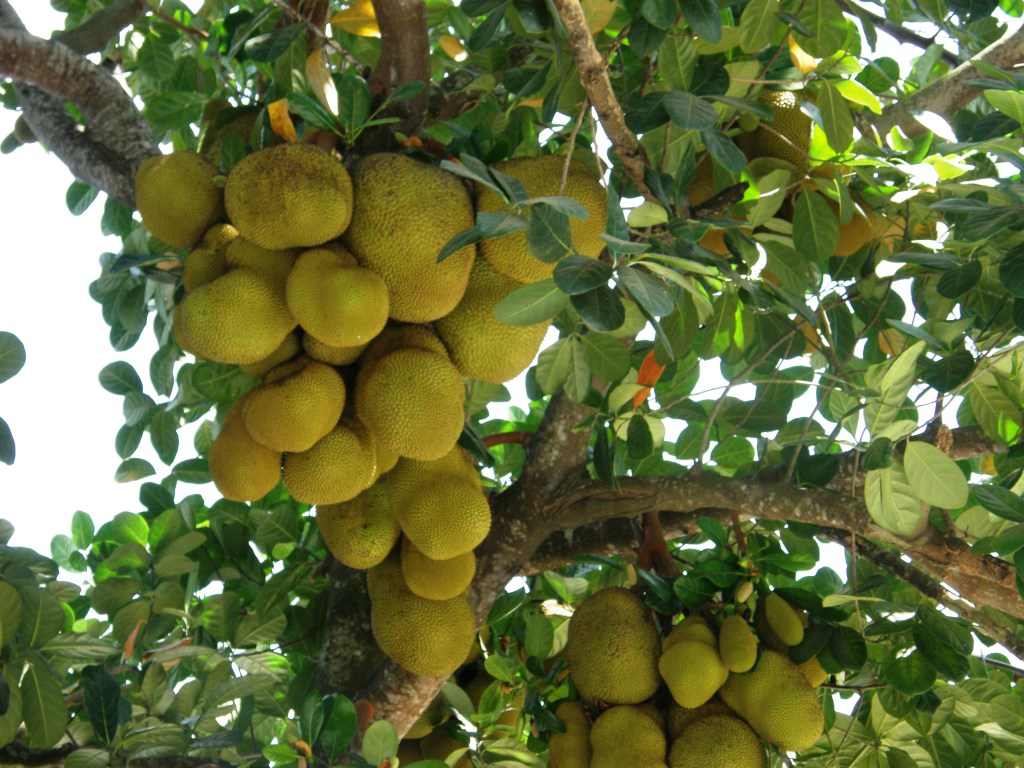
(349, 655)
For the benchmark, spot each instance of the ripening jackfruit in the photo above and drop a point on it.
(612, 648)
(717, 741)
(412, 400)
(426, 637)
(241, 468)
(786, 136)
(409, 476)
(336, 301)
(627, 736)
(542, 176)
(361, 532)
(400, 336)
(405, 211)
(331, 355)
(677, 718)
(777, 702)
(783, 619)
(693, 672)
(291, 195)
(288, 349)
(737, 644)
(702, 189)
(297, 404)
(177, 197)
(813, 672)
(274, 264)
(219, 235)
(695, 628)
(446, 519)
(436, 579)
(238, 318)
(339, 467)
(201, 265)
(482, 346)
(570, 749)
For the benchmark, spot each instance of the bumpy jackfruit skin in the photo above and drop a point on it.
(717, 741)
(481, 346)
(201, 265)
(612, 648)
(177, 197)
(677, 717)
(813, 672)
(219, 235)
(360, 533)
(405, 211)
(274, 264)
(786, 136)
(572, 748)
(542, 177)
(241, 468)
(693, 672)
(337, 303)
(339, 467)
(400, 336)
(292, 195)
(240, 317)
(448, 518)
(331, 355)
(412, 400)
(783, 619)
(426, 637)
(737, 644)
(694, 628)
(627, 735)
(409, 476)
(777, 702)
(287, 350)
(436, 579)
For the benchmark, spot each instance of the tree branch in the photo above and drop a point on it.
(94, 33)
(594, 75)
(897, 31)
(948, 94)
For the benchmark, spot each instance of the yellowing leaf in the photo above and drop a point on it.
(358, 19)
(318, 75)
(281, 122)
(934, 476)
(987, 464)
(801, 58)
(451, 46)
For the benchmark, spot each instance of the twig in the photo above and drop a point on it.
(898, 31)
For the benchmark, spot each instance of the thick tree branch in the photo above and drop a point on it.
(948, 94)
(404, 58)
(99, 29)
(594, 75)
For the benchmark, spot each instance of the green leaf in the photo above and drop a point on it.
(891, 501)
(577, 380)
(12, 355)
(1011, 271)
(934, 477)
(82, 530)
(553, 366)
(848, 647)
(836, 118)
(127, 440)
(824, 22)
(102, 701)
(379, 742)
(42, 707)
(87, 757)
(131, 470)
(41, 616)
(79, 197)
(660, 13)
(7, 449)
(690, 112)
(911, 675)
(650, 292)
(758, 24)
(957, 282)
(539, 636)
(949, 372)
(815, 227)
(1001, 502)
(172, 111)
(677, 59)
(10, 612)
(943, 657)
(532, 303)
(998, 415)
(262, 627)
(639, 440)
(339, 727)
(601, 308)
(1010, 103)
(163, 433)
(704, 18)
(724, 150)
(269, 46)
(608, 358)
(579, 274)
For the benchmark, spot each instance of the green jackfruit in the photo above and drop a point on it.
(288, 349)
(274, 264)
(445, 519)
(201, 265)
(339, 467)
(177, 197)
(241, 468)
(691, 628)
(627, 736)
(291, 195)
(436, 579)
(410, 475)
(717, 741)
(612, 648)
(360, 533)
(783, 619)
(570, 749)
(737, 644)
(786, 136)
(331, 355)
(677, 718)
(693, 672)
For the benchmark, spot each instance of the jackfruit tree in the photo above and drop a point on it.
(575, 383)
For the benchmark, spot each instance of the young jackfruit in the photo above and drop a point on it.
(783, 619)
(786, 136)
(426, 637)
(360, 533)
(813, 672)
(542, 176)
(481, 346)
(737, 644)
(612, 648)
(201, 265)
(297, 404)
(241, 468)
(400, 336)
(677, 717)
(339, 467)
(570, 749)
(238, 318)
(695, 628)
(445, 519)
(436, 579)
(288, 349)
(717, 741)
(627, 736)
(177, 197)
(405, 211)
(291, 195)
(274, 264)
(331, 355)
(336, 301)
(693, 672)
(777, 702)
(412, 400)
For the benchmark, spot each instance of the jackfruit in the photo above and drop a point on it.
(339, 467)
(694, 628)
(445, 519)
(482, 346)
(400, 336)
(702, 189)
(405, 211)
(274, 264)
(717, 741)
(240, 121)
(813, 672)
(440, 745)
(291, 195)
(737, 644)
(542, 176)
(241, 468)
(409, 751)
(693, 672)
(783, 619)
(331, 355)
(336, 301)
(288, 349)
(409, 476)
(219, 235)
(430, 718)
(297, 404)
(238, 318)
(359, 533)
(679, 717)
(786, 136)
(201, 265)
(436, 579)
(177, 197)
(426, 637)
(412, 400)
(627, 736)
(777, 702)
(612, 648)
(570, 749)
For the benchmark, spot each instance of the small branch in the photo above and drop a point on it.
(504, 438)
(897, 31)
(94, 33)
(594, 75)
(949, 93)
